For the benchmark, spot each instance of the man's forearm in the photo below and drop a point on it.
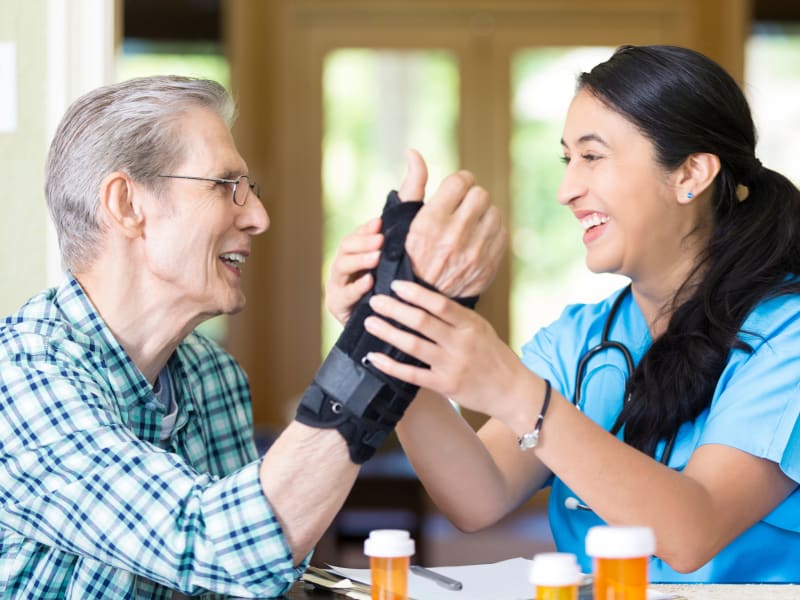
(306, 476)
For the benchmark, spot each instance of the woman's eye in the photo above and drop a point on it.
(564, 159)
(590, 157)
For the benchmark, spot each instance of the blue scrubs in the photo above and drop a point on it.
(755, 408)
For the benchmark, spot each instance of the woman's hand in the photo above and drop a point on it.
(468, 362)
(350, 276)
(359, 252)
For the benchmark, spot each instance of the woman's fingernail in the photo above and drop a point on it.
(399, 286)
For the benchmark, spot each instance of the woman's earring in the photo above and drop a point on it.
(690, 195)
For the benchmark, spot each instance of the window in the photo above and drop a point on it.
(378, 103)
(772, 84)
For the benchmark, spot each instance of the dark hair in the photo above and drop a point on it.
(684, 103)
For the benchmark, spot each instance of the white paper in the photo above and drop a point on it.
(504, 580)
(8, 87)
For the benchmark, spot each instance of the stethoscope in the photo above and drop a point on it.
(608, 344)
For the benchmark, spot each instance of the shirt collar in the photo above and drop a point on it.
(80, 313)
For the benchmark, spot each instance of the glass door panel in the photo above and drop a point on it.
(772, 85)
(547, 255)
(378, 103)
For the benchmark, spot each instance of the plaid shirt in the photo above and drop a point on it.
(92, 505)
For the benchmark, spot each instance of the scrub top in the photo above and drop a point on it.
(755, 409)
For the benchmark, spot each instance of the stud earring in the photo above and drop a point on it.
(690, 195)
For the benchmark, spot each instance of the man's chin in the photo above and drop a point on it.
(236, 306)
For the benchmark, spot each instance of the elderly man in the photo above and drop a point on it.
(127, 464)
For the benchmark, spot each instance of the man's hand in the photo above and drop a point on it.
(457, 240)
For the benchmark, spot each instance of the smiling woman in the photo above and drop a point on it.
(661, 171)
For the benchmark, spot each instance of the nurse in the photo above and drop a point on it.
(688, 410)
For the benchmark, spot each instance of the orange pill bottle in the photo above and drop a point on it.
(556, 576)
(620, 556)
(389, 552)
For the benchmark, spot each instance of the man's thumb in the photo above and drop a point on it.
(413, 186)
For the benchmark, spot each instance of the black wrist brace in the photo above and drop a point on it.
(348, 393)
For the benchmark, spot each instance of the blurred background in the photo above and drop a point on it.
(331, 93)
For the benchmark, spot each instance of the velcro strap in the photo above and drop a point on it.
(348, 382)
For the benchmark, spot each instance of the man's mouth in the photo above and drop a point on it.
(234, 260)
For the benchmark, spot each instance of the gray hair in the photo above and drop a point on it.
(131, 127)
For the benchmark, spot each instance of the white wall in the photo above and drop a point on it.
(61, 48)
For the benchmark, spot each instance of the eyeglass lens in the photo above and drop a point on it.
(241, 191)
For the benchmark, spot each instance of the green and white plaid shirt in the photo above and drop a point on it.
(92, 505)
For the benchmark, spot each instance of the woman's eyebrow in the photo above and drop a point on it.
(589, 137)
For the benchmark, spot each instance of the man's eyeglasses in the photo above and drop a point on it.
(240, 192)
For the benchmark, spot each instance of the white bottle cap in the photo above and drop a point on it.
(390, 543)
(555, 569)
(605, 541)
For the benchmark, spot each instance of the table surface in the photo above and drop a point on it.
(717, 591)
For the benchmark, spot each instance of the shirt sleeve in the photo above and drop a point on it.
(75, 478)
(543, 354)
(757, 403)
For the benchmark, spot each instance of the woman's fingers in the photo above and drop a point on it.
(409, 373)
(349, 277)
(432, 302)
(348, 266)
(415, 319)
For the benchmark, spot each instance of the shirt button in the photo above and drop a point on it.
(151, 405)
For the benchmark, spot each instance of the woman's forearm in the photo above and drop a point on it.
(453, 463)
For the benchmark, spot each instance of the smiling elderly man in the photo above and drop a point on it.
(127, 462)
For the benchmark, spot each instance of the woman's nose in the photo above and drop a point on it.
(571, 187)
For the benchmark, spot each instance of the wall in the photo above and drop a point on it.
(64, 48)
(22, 154)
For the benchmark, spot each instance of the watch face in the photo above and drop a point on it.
(529, 440)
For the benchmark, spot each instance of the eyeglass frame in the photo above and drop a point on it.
(253, 185)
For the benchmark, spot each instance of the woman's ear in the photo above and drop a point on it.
(118, 207)
(696, 175)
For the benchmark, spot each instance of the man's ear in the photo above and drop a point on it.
(118, 207)
(696, 175)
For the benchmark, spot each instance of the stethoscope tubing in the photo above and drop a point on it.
(608, 344)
